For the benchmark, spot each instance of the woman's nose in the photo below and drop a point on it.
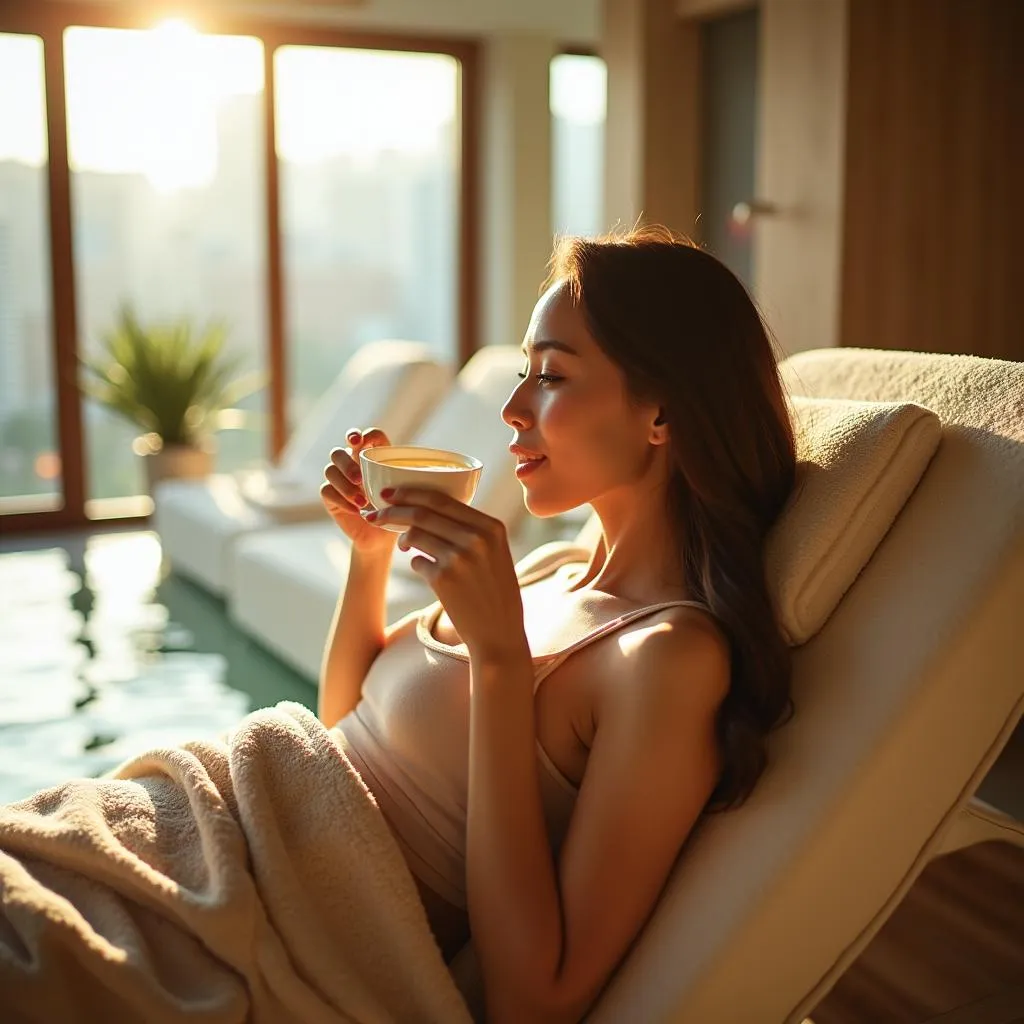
(515, 412)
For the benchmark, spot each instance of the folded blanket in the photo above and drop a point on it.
(251, 879)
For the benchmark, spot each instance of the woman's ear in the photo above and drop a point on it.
(659, 429)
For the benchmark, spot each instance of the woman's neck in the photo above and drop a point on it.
(637, 556)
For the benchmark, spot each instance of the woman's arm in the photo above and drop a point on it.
(514, 907)
(357, 634)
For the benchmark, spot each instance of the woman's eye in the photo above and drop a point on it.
(543, 378)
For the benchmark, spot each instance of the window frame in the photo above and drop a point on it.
(48, 19)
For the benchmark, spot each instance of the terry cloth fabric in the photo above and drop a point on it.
(252, 879)
(857, 464)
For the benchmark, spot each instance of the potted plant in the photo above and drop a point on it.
(174, 383)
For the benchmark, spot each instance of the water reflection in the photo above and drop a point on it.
(101, 658)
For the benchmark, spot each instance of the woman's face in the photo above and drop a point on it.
(572, 410)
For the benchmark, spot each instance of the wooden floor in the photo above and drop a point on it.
(952, 953)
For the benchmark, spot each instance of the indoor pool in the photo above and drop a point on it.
(103, 655)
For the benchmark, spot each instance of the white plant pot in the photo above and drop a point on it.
(178, 462)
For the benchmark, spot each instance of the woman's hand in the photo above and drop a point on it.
(470, 568)
(343, 496)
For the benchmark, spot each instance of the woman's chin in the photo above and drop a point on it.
(544, 507)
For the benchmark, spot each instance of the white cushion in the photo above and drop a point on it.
(857, 464)
(198, 521)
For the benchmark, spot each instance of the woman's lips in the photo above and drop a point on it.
(529, 466)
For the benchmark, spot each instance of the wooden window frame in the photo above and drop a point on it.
(48, 19)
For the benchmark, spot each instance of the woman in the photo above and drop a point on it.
(541, 799)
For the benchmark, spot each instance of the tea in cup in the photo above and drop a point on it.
(433, 469)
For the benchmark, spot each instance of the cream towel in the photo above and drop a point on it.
(857, 465)
(253, 879)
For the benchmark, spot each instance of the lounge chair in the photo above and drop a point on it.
(898, 576)
(286, 581)
(391, 384)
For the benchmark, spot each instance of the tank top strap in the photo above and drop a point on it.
(549, 664)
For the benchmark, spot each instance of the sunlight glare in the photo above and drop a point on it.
(22, 111)
(579, 86)
(333, 101)
(147, 102)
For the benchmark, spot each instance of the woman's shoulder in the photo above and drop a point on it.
(678, 645)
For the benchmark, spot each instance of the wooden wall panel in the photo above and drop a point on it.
(652, 131)
(933, 221)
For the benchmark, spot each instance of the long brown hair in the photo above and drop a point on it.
(687, 336)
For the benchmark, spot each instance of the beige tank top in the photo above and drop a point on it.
(408, 736)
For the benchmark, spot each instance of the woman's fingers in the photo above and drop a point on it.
(345, 464)
(332, 497)
(424, 525)
(443, 505)
(343, 479)
(342, 474)
(371, 437)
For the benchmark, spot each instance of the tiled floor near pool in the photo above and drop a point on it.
(102, 655)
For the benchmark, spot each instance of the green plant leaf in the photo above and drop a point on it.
(167, 378)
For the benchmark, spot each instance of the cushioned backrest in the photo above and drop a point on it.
(469, 420)
(389, 384)
(903, 699)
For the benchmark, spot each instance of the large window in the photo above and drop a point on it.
(30, 467)
(166, 195)
(578, 91)
(165, 145)
(367, 144)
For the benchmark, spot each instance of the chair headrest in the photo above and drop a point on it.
(857, 464)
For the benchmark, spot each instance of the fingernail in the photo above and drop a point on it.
(387, 492)
(371, 516)
(359, 500)
(353, 435)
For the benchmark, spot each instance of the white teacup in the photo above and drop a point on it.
(433, 469)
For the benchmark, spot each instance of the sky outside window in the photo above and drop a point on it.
(145, 101)
(578, 90)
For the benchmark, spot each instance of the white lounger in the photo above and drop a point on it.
(286, 581)
(390, 384)
(908, 681)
